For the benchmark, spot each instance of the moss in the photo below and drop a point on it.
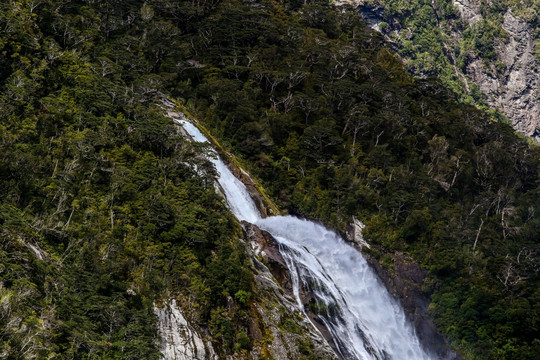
(243, 341)
(388, 262)
(289, 325)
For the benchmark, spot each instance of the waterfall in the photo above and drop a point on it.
(364, 320)
(238, 198)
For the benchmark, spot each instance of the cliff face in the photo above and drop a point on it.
(404, 280)
(515, 92)
(277, 327)
(508, 77)
(274, 325)
(179, 339)
(469, 10)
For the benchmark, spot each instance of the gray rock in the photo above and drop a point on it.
(286, 327)
(405, 282)
(516, 93)
(469, 10)
(179, 339)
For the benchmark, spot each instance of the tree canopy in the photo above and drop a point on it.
(103, 209)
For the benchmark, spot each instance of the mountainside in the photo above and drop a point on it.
(110, 220)
(326, 116)
(487, 52)
(108, 214)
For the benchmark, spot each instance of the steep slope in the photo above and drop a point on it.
(487, 52)
(105, 212)
(327, 117)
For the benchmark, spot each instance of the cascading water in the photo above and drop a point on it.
(364, 321)
(238, 198)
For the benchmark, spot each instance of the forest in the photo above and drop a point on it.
(103, 211)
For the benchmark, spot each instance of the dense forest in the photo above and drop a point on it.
(104, 211)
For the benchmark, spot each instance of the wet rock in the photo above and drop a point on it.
(404, 281)
(285, 330)
(254, 332)
(265, 247)
(264, 208)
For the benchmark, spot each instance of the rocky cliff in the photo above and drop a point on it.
(277, 327)
(179, 339)
(508, 78)
(277, 318)
(515, 91)
(404, 279)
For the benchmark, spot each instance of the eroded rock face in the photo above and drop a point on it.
(179, 339)
(404, 281)
(264, 246)
(516, 93)
(278, 318)
(469, 10)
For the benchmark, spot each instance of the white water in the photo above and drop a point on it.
(240, 203)
(366, 323)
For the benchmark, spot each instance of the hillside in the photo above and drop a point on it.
(328, 118)
(486, 52)
(107, 210)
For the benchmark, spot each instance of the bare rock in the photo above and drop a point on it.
(469, 10)
(284, 329)
(264, 244)
(353, 233)
(179, 339)
(250, 184)
(516, 91)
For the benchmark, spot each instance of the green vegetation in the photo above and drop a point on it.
(322, 112)
(422, 30)
(333, 125)
(102, 210)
